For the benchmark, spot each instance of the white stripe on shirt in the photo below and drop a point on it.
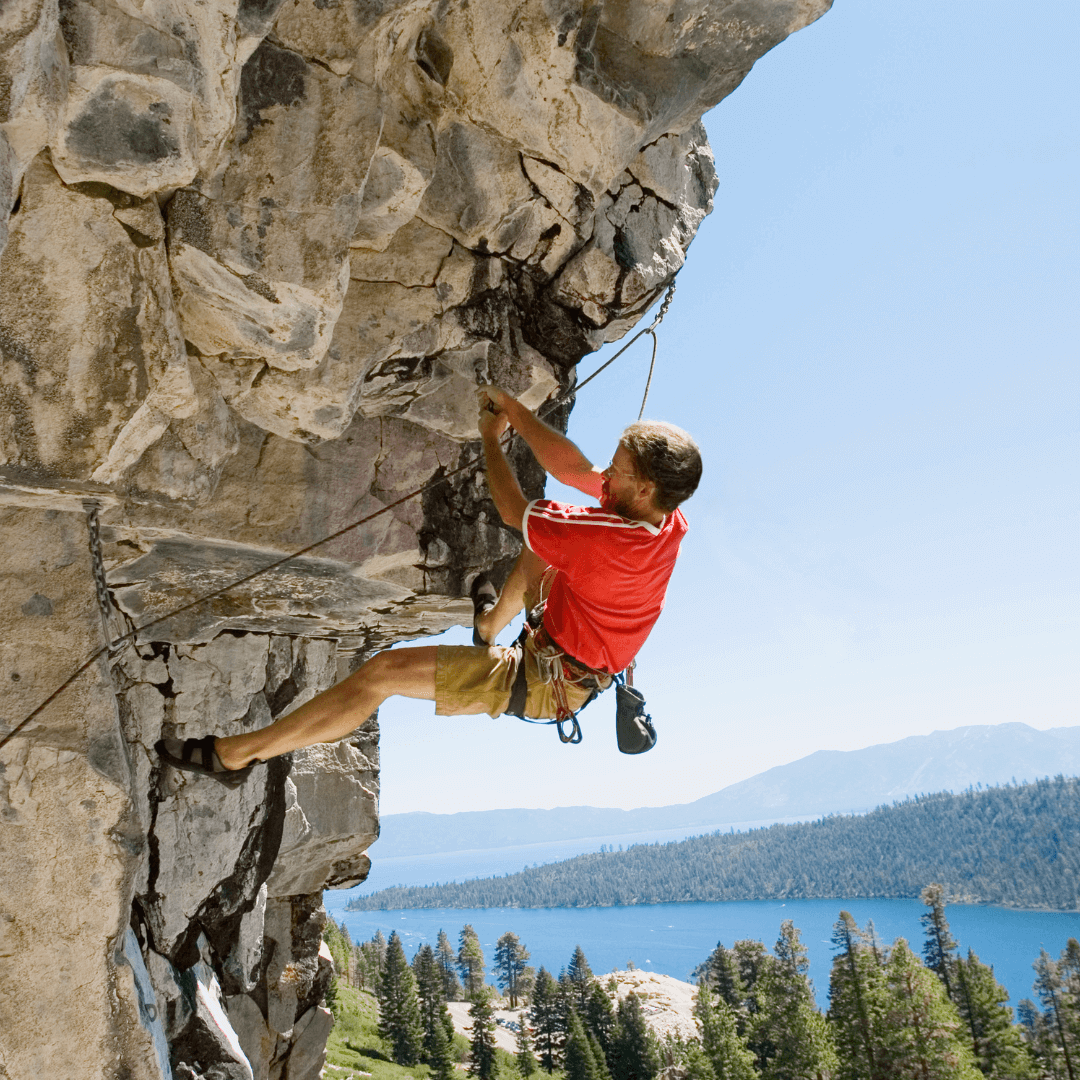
(610, 521)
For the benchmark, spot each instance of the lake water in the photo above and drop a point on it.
(675, 938)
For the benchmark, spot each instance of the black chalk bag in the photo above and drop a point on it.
(633, 725)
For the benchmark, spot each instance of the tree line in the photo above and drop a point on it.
(893, 1015)
(1017, 845)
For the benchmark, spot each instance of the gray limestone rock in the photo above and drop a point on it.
(255, 258)
(331, 801)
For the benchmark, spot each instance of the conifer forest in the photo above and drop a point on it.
(1015, 846)
(918, 1011)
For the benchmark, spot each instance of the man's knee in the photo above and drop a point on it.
(383, 669)
(398, 671)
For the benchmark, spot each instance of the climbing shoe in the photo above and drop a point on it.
(484, 597)
(199, 756)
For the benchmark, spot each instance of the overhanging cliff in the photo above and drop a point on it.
(256, 256)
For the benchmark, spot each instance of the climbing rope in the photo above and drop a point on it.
(113, 646)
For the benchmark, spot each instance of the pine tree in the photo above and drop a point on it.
(510, 960)
(752, 960)
(580, 975)
(434, 1016)
(440, 1055)
(580, 1064)
(697, 1065)
(470, 961)
(857, 1001)
(1069, 972)
(446, 958)
(599, 1019)
(524, 1056)
(1061, 1041)
(634, 1053)
(721, 971)
(546, 1020)
(399, 1009)
(482, 1044)
(1039, 1041)
(340, 946)
(602, 1070)
(939, 950)
(725, 1051)
(920, 1036)
(371, 962)
(996, 1043)
(789, 1037)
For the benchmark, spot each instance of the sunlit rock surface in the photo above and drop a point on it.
(254, 259)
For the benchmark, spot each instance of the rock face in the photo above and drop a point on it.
(255, 256)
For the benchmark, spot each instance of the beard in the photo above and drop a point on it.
(612, 504)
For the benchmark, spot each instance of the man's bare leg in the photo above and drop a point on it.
(525, 577)
(335, 712)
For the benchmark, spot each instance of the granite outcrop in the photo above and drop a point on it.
(255, 256)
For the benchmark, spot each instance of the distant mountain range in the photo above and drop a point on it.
(825, 782)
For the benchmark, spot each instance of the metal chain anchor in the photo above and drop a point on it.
(115, 638)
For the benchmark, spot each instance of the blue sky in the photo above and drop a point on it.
(874, 340)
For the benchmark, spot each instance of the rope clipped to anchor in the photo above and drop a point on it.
(108, 612)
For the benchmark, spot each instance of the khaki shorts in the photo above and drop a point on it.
(471, 680)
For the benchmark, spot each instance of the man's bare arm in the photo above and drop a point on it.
(556, 453)
(503, 487)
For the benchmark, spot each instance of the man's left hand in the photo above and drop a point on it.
(491, 423)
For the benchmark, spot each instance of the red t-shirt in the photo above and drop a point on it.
(613, 574)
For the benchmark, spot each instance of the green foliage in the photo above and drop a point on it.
(580, 1060)
(996, 1043)
(438, 1028)
(939, 950)
(580, 976)
(634, 1053)
(482, 1045)
(370, 962)
(890, 1017)
(524, 1058)
(399, 1007)
(724, 1050)
(599, 1018)
(920, 1035)
(340, 945)
(511, 958)
(857, 996)
(470, 961)
(355, 1044)
(722, 973)
(1012, 845)
(545, 1015)
(1057, 1047)
(789, 1037)
(446, 958)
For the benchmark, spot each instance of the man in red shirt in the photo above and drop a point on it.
(600, 573)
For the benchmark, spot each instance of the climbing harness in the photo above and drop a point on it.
(109, 615)
(635, 732)
(555, 668)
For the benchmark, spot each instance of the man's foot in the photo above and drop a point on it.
(199, 756)
(484, 598)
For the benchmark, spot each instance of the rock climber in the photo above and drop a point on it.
(600, 574)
